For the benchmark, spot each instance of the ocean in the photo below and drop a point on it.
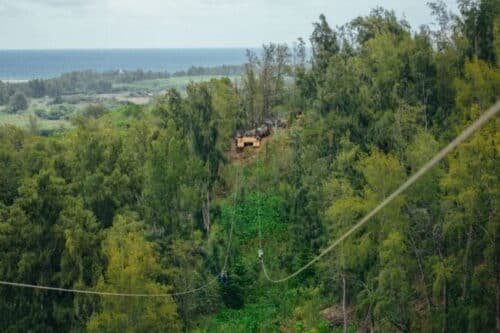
(31, 64)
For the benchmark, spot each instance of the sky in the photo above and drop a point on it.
(76, 24)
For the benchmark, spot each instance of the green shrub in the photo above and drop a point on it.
(18, 102)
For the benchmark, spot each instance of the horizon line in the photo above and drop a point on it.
(132, 48)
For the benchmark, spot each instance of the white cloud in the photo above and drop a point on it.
(178, 23)
(49, 3)
(50, 8)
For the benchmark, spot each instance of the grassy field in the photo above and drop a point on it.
(22, 120)
(140, 92)
(159, 85)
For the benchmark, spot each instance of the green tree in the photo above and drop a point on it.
(18, 102)
(172, 186)
(470, 204)
(250, 91)
(204, 122)
(95, 110)
(133, 267)
(392, 307)
(478, 23)
(324, 43)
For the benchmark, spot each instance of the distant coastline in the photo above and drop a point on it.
(14, 80)
(22, 65)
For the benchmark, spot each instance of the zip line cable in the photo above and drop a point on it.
(230, 238)
(483, 119)
(259, 205)
(106, 293)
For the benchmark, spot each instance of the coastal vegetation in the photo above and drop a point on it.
(55, 101)
(152, 199)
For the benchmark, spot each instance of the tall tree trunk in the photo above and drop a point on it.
(466, 264)
(422, 273)
(425, 103)
(445, 307)
(205, 211)
(497, 292)
(344, 307)
(368, 321)
(497, 281)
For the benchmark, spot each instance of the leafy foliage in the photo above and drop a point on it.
(143, 199)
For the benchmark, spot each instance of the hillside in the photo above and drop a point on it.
(147, 219)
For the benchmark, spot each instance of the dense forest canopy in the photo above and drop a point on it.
(148, 204)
